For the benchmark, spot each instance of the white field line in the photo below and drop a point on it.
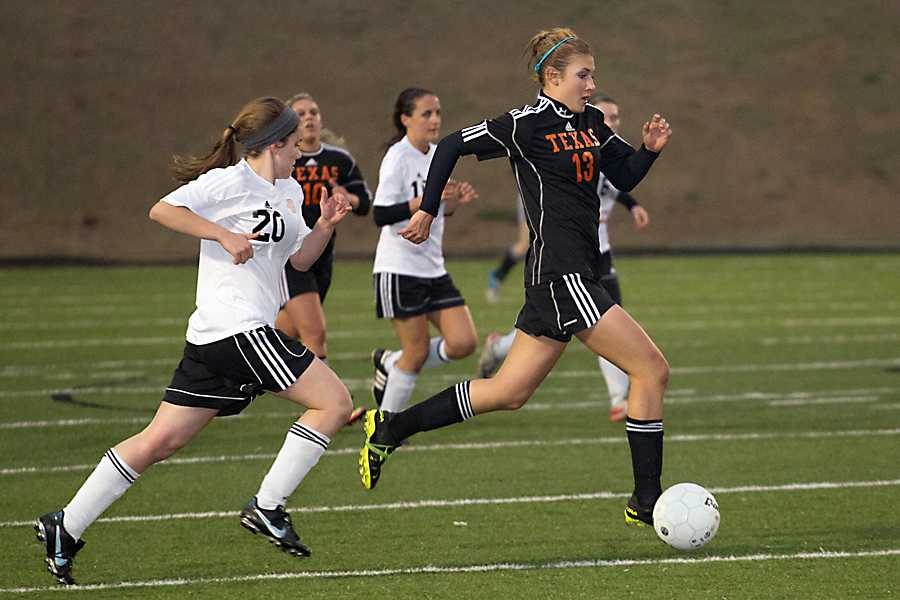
(29, 325)
(817, 401)
(370, 333)
(457, 502)
(362, 384)
(699, 437)
(78, 422)
(40, 369)
(894, 406)
(444, 570)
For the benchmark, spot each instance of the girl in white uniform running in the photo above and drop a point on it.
(247, 216)
(412, 286)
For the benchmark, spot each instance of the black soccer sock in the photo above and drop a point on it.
(444, 408)
(646, 441)
(508, 262)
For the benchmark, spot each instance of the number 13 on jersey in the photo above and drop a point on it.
(584, 166)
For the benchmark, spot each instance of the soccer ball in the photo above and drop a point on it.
(686, 516)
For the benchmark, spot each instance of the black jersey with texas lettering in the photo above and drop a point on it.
(315, 171)
(557, 157)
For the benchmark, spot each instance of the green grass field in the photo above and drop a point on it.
(784, 401)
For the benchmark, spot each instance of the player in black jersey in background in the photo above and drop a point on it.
(556, 148)
(323, 164)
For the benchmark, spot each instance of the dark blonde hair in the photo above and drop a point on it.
(254, 116)
(560, 57)
(327, 136)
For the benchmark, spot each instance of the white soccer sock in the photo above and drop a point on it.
(302, 449)
(398, 389)
(616, 380)
(501, 347)
(390, 359)
(111, 478)
(437, 353)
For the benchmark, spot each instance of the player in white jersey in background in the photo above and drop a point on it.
(247, 216)
(412, 286)
(496, 346)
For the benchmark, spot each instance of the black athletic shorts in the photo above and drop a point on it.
(401, 296)
(317, 279)
(558, 309)
(228, 374)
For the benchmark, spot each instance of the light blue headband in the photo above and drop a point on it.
(537, 66)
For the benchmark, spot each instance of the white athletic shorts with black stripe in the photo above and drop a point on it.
(560, 308)
(229, 373)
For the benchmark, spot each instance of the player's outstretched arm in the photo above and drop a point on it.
(183, 220)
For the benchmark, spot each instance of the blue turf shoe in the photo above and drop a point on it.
(60, 546)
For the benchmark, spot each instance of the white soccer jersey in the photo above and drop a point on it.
(400, 179)
(608, 194)
(234, 298)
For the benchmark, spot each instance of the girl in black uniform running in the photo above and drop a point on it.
(323, 164)
(556, 147)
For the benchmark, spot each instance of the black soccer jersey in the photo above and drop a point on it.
(557, 157)
(315, 170)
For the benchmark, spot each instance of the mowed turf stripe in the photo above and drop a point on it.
(356, 383)
(670, 438)
(462, 569)
(366, 333)
(457, 502)
(677, 396)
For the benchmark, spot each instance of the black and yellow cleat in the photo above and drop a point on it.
(379, 444)
(637, 515)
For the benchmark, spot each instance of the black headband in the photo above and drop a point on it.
(279, 128)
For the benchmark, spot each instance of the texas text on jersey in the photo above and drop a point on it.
(557, 157)
(314, 171)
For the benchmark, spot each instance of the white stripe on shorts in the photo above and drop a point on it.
(577, 299)
(265, 355)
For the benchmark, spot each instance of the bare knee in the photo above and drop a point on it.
(654, 373)
(159, 447)
(343, 404)
(511, 397)
(460, 347)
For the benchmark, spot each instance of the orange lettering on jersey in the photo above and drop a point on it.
(593, 137)
(588, 143)
(551, 137)
(300, 174)
(574, 136)
(564, 142)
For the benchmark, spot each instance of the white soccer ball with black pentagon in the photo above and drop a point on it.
(686, 516)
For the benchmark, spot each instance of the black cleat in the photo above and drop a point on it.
(275, 526)
(60, 546)
(637, 515)
(379, 444)
(379, 381)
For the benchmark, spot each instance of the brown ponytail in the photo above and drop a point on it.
(405, 105)
(254, 116)
(544, 41)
